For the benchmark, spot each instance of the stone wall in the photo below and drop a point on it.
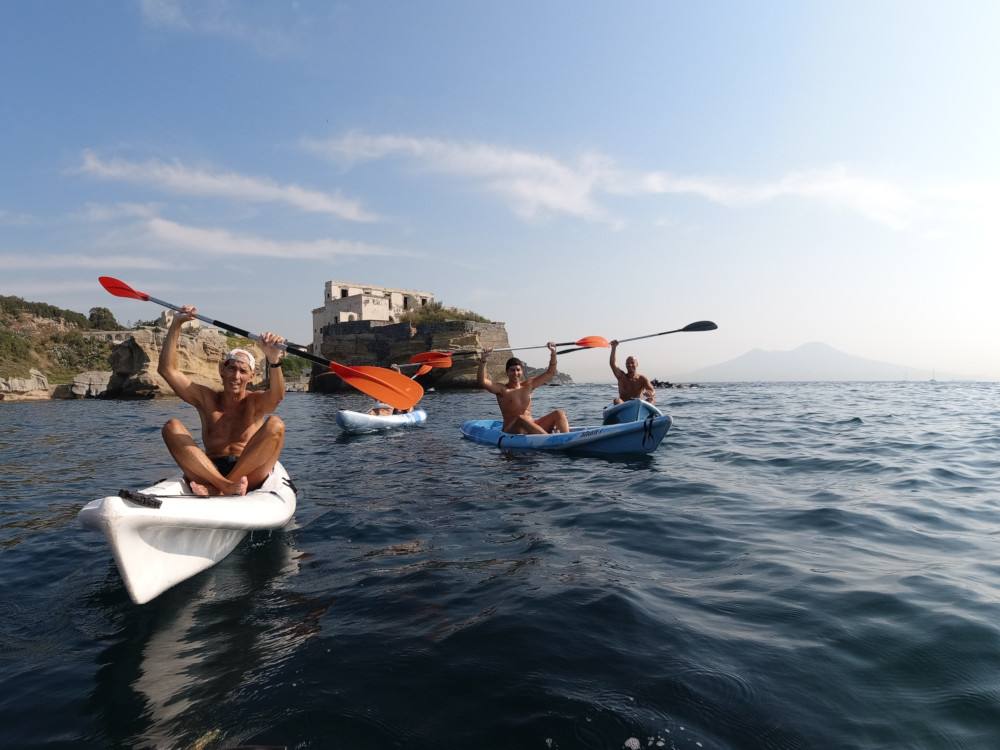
(383, 345)
(112, 336)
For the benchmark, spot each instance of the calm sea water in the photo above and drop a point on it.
(798, 566)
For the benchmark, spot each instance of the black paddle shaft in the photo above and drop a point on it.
(701, 325)
(297, 349)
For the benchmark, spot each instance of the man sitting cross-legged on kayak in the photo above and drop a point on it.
(242, 443)
(630, 383)
(514, 397)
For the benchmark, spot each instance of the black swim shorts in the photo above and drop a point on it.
(224, 464)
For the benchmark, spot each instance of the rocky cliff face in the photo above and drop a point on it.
(362, 343)
(32, 388)
(199, 352)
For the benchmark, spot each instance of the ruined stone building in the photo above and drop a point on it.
(347, 302)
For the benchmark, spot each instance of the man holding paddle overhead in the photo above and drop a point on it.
(630, 383)
(242, 443)
(514, 397)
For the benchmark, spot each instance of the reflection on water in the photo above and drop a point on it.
(797, 566)
(170, 664)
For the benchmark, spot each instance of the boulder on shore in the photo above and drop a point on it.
(32, 388)
(199, 352)
(90, 384)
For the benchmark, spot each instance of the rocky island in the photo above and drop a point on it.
(47, 352)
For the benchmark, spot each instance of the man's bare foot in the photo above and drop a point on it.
(198, 489)
(236, 488)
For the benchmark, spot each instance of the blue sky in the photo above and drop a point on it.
(796, 172)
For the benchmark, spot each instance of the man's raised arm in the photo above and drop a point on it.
(614, 364)
(273, 354)
(482, 379)
(550, 372)
(177, 380)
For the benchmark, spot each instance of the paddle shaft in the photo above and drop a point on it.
(701, 325)
(650, 335)
(519, 348)
(620, 341)
(297, 349)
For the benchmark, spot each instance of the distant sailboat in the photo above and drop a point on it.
(933, 374)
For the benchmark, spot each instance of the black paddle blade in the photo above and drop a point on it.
(701, 325)
(120, 288)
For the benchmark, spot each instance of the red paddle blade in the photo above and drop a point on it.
(382, 384)
(593, 342)
(428, 356)
(120, 288)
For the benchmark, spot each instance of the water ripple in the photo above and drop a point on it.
(797, 566)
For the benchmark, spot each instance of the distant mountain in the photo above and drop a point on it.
(814, 361)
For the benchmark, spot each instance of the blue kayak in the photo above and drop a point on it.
(630, 411)
(610, 440)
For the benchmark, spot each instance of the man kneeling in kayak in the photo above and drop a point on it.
(514, 397)
(242, 443)
(630, 383)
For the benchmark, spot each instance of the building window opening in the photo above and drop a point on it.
(343, 293)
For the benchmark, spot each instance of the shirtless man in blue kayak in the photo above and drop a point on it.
(514, 397)
(630, 383)
(242, 443)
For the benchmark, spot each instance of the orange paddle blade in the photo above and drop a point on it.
(427, 356)
(120, 288)
(382, 384)
(443, 363)
(593, 342)
(424, 369)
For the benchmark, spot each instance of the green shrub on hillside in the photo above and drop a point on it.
(71, 353)
(102, 319)
(13, 346)
(435, 312)
(15, 305)
(295, 367)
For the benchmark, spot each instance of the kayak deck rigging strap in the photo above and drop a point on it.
(140, 498)
(647, 430)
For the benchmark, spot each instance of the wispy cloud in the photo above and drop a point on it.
(178, 178)
(16, 219)
(37, 261)
(100, 212)
(223, 242)
(270, 35)
(42, 289)
(878, 200)
(534, 183)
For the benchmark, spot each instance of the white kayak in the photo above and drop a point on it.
(355, 421)
(163, 534)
